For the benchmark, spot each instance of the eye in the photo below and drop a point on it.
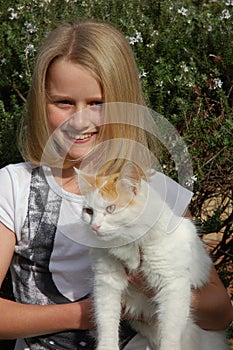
(63, 102)
(111, 208)
(60, 101)
(95, 105)
(88, 211)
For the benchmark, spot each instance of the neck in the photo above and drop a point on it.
(67, 179)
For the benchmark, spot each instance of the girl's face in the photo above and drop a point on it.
(73, 106)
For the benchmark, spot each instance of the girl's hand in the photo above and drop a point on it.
(139, 282)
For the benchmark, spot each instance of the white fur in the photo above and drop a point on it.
(173, 263)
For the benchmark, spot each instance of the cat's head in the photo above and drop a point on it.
(112, 202)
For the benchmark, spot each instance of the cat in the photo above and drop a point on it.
(131, 220)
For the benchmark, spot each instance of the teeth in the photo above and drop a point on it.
(79, 137)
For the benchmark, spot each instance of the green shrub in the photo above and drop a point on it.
(184, 51)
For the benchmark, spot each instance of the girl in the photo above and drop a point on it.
(80, 65)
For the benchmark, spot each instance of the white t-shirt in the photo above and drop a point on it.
(69, 263)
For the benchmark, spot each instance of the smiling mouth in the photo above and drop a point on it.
(80, 137)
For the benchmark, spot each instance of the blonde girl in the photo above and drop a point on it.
(80, 65)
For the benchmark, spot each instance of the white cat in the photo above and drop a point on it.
(132, 222)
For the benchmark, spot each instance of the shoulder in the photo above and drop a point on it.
(14, 190)
(16, 174)
(175, 195)
(14, 179)
(17, 169)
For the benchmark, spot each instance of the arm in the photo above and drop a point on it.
(211, 304)
(22, 320)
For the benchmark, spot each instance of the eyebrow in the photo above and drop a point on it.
(91, 98)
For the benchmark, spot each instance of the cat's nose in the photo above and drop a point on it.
(95, 227)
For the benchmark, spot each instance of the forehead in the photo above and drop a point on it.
(107, 187)
(64, 76)
(108, 191)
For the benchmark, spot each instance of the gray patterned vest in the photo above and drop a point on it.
(33, 281)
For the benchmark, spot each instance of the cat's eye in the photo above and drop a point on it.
(88, 210)
(110, 209)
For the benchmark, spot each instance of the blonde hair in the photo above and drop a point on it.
(103, 50)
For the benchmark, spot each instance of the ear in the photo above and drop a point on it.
(85, 181)
(130, 176)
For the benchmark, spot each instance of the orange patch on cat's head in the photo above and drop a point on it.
(111, 192)
(108, 187)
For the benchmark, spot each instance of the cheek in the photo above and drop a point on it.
(86, 218)
(97, 117)
(56, 117)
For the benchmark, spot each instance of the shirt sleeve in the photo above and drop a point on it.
(176, 196)
(6, 199)
(14, 191)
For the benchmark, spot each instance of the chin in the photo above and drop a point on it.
(106, 235)
(79, 152)
(76, 157)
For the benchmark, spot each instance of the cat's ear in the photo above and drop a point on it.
(85, 181)
(130, 176)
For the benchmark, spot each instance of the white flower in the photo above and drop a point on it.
(229, 3)
(143, 74)
(30, 28)
(139, 36)
(194, 178)
(183, 11)
(189, 182)
(135, 39)
(184, 67)
(159, 83)
(30, 49)
(150, 45)
(225, 14)
(156, 32)
(131, 40)
(14, 15)
(217, 83)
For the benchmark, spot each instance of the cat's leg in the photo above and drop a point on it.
(109, 282)
(173, 308)
(138, 306)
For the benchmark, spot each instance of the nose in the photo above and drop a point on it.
(95, 227)
(80, 107)
(81, 119)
